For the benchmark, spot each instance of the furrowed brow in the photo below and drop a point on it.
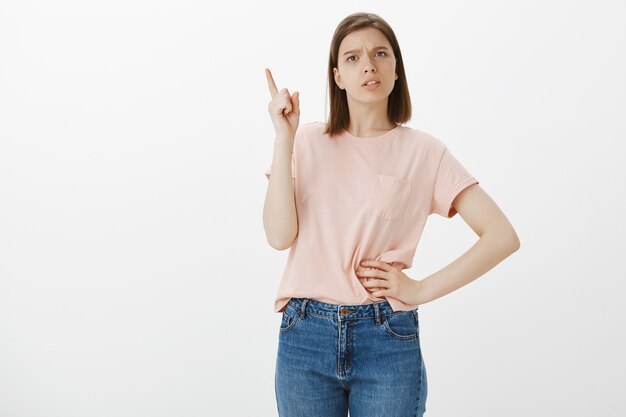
(358, 50)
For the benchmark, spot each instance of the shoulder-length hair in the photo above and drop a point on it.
(399, 102)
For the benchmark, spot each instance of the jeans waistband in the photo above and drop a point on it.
(376, 310)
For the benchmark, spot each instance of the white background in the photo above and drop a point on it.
(135, 278)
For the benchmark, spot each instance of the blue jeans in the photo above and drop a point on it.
(365, 359)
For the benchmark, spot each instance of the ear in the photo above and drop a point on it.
(337, 78)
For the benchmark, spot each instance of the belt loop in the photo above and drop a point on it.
(302, 311)
(376, 314)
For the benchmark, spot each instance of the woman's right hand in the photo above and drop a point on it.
(284, 109)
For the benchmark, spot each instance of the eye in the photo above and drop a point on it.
(353, 56)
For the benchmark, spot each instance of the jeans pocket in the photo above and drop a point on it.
(388, 197)
(402, 325)
(289, 319)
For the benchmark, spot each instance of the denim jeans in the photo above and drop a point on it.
(363, 359)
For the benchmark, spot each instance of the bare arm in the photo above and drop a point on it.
(279, 212)
(280, 218)
(497, 241)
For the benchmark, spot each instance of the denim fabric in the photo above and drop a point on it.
(363, 359)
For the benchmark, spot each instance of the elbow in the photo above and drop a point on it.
(506, 238)
(517, 243)
(280, 233)
(278, 245)
(281, 244)
(513, 241)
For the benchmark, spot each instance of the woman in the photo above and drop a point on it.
(350, 198)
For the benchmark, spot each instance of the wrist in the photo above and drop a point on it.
(421, 291)
(283, 141)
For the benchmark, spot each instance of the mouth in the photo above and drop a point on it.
(372, 85)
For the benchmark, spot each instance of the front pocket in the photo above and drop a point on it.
(388, 197)
(402, 325)
(289, 319)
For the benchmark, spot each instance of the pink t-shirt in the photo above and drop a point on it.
(363, 198)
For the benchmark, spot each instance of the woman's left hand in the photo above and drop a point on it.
(384, 279)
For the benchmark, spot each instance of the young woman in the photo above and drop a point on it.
(350, 197)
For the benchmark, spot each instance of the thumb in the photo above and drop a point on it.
(398, 265)
(295, 101)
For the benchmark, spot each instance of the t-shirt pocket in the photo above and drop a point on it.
(388, 197)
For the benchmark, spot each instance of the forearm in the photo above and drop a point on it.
(279, 212)
(491, 249)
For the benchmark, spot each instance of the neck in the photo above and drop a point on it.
(369, 119)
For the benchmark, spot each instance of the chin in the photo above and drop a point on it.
(371, 98)
(365, 96)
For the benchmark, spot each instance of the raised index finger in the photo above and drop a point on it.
(270, 82)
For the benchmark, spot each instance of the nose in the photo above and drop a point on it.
(368, 65)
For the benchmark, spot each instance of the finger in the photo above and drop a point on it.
(371, 273)
(376, 264)
(366, 283)
(373, 285)
(288, 107)
(399, 265)
(270, 82)
(295, 101)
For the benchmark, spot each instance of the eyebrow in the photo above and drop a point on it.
(355, 50)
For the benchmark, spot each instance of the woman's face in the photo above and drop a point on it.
(366, 54)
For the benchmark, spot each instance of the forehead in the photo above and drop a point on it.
(366, 37)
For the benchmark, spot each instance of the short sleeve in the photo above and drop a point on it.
(451, 179)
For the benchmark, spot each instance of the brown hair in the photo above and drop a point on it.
(399, 102)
